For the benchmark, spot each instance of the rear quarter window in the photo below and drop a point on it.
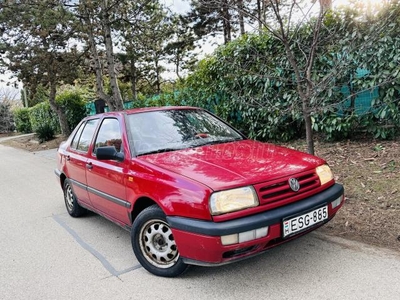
(75, 141)
(84, 135)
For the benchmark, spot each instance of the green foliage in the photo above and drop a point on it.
(45, 133)
(72, 104)
(245, 84)
(6, 117)
(251, 83)
(22, 120)
(335, 126)
(37, 94)
(44, 121)
(165, 99)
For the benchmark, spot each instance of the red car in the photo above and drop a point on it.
(191, 189)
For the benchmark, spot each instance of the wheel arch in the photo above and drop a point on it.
(141, 204)
(62, 179)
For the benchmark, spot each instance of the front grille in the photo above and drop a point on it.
(279, 190)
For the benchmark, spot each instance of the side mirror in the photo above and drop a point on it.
(109, 153)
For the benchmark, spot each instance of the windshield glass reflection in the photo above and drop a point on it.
(169, 130)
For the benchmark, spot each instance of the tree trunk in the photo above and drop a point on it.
(308, 124)
(177, 64)
(158, 83)
(62, 118)
(119, 104)
(264, 5)
(133, 78)
(97, 64)
(304, 97)
(259, 16)
(241, 17)
(226, 18)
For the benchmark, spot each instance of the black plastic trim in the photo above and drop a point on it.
(109, 197)
(263, 219)
(102, 194)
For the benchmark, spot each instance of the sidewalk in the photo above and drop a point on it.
(15, 137)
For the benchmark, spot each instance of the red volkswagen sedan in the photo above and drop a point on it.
(191, 189)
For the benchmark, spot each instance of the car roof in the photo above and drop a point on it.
(146, 109)
(141, 110)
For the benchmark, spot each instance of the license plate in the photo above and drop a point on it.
(305, 221)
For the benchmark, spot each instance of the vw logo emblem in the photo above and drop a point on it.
(294, 184)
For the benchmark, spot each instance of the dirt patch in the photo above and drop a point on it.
(32, 144)
(369, 171)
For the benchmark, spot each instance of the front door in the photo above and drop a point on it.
(105, 178)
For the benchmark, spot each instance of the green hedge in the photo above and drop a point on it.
(250, 82)
(44, 121)
(73, 105)
(22, 120)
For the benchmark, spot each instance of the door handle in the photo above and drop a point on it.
(89, 166)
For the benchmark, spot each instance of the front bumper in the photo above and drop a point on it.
(57, 172)
(199, 242)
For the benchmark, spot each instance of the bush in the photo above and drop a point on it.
(22, 120)
(6, 118)
(44, 121)
(72, 104)
(45, 133)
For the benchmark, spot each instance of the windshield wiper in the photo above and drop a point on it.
(214, 142)
(162, 150)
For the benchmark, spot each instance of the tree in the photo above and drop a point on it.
(180, 45)
(296, 26)
(36, 36)
(211, 17)
(8, 96)
(145, 29)
(157, 37)
(276, 80)
(97, 20)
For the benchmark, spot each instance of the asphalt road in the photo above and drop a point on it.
(45, 254)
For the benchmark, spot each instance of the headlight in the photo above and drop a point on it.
(233, 200)
(324, 173)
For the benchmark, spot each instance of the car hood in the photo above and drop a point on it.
(234, 164)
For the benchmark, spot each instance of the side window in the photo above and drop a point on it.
(87, 134)
(74, 143)
(109, 135)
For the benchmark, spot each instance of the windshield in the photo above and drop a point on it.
(169, 130)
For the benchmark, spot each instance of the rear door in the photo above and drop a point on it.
(106, 178)
(77, 157)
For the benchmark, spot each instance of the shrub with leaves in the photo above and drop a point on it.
(45, 133)
(22, 120)
(73, 105)
(44, 121)
(251, 83)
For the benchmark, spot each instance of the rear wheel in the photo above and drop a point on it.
(154, 244)
(71, 203)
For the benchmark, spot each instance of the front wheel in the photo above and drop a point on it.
(154, 245)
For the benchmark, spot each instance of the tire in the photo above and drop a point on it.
(154, 244)
(71, 203)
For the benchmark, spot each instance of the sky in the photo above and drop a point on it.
(178, 6)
